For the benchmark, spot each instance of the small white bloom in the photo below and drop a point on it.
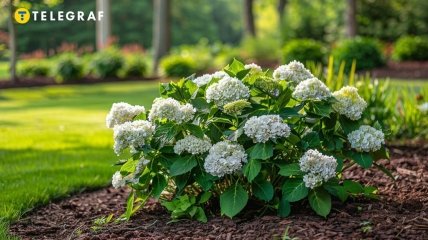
(254, 67)
(131, 134)
(219, 74)
(171, 109)
(366, 139)
(294, 71)
(349, 103)
(203, 80)
(192, 145)
(225, 157)
(117, 180)
(311, 89)
(122, 112)
(423, 107)
(318, 168)
(227, 90)
(265, 128)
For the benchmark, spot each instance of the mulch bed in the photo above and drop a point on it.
(401, 213)
(403, 70)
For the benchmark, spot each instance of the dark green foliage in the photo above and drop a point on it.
(68, 68)
(34, 68)
(178, 66)
(366, 52)
(411, 48)
(303, 50)
(135, 66)
(107, 63)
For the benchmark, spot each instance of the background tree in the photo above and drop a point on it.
(351, 18)
(103, 26)
(12, 43)
(250, 27)
(161, 31)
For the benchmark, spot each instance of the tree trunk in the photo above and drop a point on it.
(161, 31)
(103, 26)
(12, 44)
(351, 21)
(281, 9)
(250, 27)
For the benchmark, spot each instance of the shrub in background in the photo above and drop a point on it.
(34, 68)
(107, 63)
(135, 66)
(366, 52)
(178, 66)
(411, 48)
(242, 135)
(260, 49)
(303, 50)
(68, 68)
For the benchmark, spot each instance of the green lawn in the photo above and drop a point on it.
(53, 141)
(4, 68)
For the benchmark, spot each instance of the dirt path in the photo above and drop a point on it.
(402, 213)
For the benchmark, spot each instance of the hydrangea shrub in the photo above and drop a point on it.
(244, 136)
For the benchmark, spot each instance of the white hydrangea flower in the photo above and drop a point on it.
(203, 80)
(311, 89)
(131, 134)
(366, 139)
(349, 103)
(192, 145)
(122, 112)
(117, 180)
(171, 109)
(254, 67)
(219, 74)
(318, 167)
(225, 157)
(265, 128)
(227, 90)
(423, 107)
(294, 71)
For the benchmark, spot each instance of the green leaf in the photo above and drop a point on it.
(261, 151)
(312, 139)
(294, 190)
(284, 207)
(159, 183)
(348, 125)
(195, 130)
(164, 133)
(262, 189)
(205, 197)
(320, 201)
(337, 190)
(292, 169)
(235, 67)
(241, 74)
(200, 215)
(384, 170)
(205, 180)
(201, 104)
(183, 165)
(353, 187)
(129, 206)
(252, 169)
(363, 159)
(129, 166)
(321, 109)
(233, 200)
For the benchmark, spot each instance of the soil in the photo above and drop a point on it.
(401, 213)
(403, 70)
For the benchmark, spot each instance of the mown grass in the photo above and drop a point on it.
(53, 141)
(4, 70)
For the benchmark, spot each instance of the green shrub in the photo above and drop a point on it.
(366, 52)
(68, 68)
(33, 68)
(107, 63)
(261, 49)
(411, 48)
(178, 66)
(135, 66)
(303, 50)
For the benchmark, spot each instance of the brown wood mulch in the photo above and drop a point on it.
(401, 213)
(402, 70)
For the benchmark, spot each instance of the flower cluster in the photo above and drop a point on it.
(236, 107)
(227, 90)
(311, 89)
(203, 80)
(294, 71)
(254, 67)
(265, 128)
(349, 103)
(318, 167)
(171, 109)
(122, 112)
(225, 157)
(192, 145)
(119, 181)
(131, 134)
(366, 139)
